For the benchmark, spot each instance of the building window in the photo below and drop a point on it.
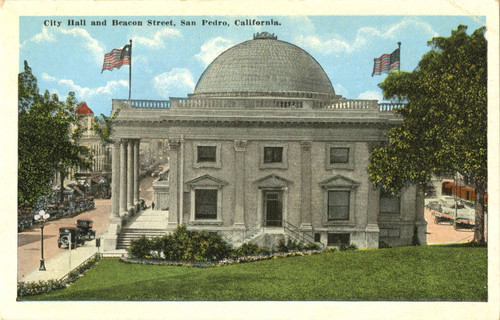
(338, 239)
(338, 205)
(317, 237)
(339, 155)
(205, 204)
(207, 153)
(389, 204)
(273, 154)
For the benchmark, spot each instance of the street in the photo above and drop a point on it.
(28, 242)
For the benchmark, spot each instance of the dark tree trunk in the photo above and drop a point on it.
(479, 237)
(61, 194)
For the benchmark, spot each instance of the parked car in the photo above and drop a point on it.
(71, 235)
(463, 222)
(85, 226)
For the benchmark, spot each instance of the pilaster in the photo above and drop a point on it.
(305, 185)
(239, 173)
(173, 153)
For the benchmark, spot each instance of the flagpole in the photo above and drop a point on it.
(130, 72)
(399, 48)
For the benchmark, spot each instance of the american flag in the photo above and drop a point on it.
(386, 63)
(117, 58)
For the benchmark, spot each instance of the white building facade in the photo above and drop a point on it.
(264, 149)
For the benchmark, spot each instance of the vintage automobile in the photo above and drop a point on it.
(85, 226)
(463, 222)
(71, 235)
(439, 212)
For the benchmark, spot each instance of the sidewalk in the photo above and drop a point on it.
(59, 265)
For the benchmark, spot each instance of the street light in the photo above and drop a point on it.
(42, 216)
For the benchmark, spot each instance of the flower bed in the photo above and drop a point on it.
(223, 262)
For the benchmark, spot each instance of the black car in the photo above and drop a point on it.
(71, 235)
(85, 226)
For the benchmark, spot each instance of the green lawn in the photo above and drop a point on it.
(408, 273)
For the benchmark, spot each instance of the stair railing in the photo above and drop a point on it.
(302, 235)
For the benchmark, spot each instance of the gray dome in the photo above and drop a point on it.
(263, 65)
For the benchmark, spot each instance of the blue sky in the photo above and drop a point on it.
(168, 60)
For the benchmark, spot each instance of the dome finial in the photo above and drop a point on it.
(264, 35)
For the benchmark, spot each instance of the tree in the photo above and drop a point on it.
(48, 132)
(103, 127)
(68, 154)
(444, 128)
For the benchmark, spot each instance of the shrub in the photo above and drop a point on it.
(350, 247)
(182, 245)
(291, 245)
(140, 247)
(251, 249)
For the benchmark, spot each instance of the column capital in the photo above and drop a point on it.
(305, 145)
(240, 145)
(173, 144)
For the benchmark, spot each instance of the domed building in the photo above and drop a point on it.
(262, 149)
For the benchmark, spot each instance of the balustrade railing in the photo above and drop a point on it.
(390, 106)
(265, 102)
(153, 104)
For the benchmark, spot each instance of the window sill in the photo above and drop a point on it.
(205, 222)
(207, 165)
(348, 223)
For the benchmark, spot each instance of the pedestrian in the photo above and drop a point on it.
(153, 205)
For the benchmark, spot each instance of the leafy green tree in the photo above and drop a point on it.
(103, 127)
(47, 141)
(444, 128)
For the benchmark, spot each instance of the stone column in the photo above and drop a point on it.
(123, 177)
(239, 174)
(130, 176)
(136, 174)
(173, 213)
(305, 185)
(115, 182)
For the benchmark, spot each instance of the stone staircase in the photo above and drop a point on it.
(149, 223)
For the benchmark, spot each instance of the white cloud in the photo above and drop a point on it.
(90, 43)
(177, 78)
(212, 48)
(141, 61)
(335, 44)
(48, 77)
(83, 93)
(157, 40)
(82, 36)
(370, 95)
(317, 44)
(340, 90)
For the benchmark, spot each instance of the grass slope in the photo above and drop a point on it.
(408, 273)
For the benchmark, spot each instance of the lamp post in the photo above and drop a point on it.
(42, 216)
